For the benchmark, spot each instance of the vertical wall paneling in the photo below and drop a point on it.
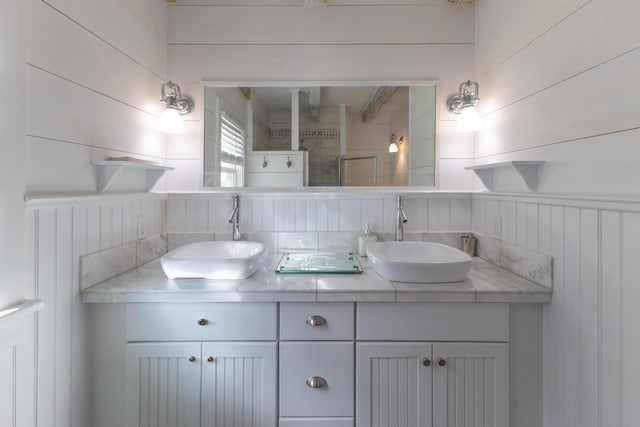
(8, 385)
(611, 313)
(589, 318)
(630, 297)
(58, 235)
(590, 347)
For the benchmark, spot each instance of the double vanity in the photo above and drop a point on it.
(315, 349)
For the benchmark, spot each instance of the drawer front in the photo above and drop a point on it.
(316, 321)
(332, 362)
(202, 322)
(315, 422)
(433, 322)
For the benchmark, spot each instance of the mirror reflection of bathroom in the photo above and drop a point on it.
(319, 136)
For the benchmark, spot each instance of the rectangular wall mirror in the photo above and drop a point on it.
(316, 135)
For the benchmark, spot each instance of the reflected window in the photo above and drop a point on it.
(232, 142)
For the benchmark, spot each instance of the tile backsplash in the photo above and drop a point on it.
(434, 212)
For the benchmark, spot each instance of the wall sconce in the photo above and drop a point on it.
(462, 104)
(393, 146)
(177, 106)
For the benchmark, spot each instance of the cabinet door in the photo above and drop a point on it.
(239, 385)
(470, 385)
(393, 385)
(163, 385)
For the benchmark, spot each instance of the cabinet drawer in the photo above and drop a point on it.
(332, 362)
(433, 322)
(333, 321)
(201, 322)
(316, 422)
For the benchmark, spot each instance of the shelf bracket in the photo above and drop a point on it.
(527, 170)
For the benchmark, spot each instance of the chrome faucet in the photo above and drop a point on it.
(401, 218)
(234, 218)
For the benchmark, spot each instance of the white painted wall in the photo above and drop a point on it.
(346, 40)
(551, 90)
(94, 72)
(554, 78)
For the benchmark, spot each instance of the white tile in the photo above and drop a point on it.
(338, 241)
(297, 242)
(372, 213)
(460, 215)
(311, 215)
(439, 215)
(323, 215)
(333, 215)
(301, 215)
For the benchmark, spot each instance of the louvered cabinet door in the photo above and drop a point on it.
(239, 386)
(393, 384)
(470, 385)
(163, 385)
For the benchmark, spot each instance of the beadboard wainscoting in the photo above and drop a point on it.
(59, 232)
(590, 345)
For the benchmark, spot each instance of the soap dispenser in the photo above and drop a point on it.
(364, 239)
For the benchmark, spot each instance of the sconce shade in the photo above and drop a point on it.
(469, 120)
(177, 105)
(463, 104)
(393, 147)
(171, 121)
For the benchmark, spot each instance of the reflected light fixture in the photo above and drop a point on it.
(393, 145)
(463, 104)
(176, 106)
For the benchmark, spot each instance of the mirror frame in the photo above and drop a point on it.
(317, 190)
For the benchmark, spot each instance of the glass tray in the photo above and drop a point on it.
(342, 263)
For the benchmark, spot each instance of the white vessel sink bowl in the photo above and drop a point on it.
(214, 260)
(418, 262)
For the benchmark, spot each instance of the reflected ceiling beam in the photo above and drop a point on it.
(313, 93)
(379, 98)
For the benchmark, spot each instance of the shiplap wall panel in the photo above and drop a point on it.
(193, 63)
(81, 56)
(87, 117)
(308, 25)
(551, 48)
(140, 32)
(499, 34)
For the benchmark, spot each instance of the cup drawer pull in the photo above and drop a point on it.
(316, 321)
(316, 382)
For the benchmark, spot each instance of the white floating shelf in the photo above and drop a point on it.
(109, 169)
(527, 169)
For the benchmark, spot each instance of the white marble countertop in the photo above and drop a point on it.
(147, 283)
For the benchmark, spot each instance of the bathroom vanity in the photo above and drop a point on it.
(314, 350)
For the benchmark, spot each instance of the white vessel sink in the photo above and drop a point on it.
(418, 262)
(214, 260)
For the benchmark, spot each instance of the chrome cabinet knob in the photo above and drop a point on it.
(316, 382)
(211, 359)
(442, 361)
(426, 361)
(316, 321)
(203, 322)
(192, 358)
